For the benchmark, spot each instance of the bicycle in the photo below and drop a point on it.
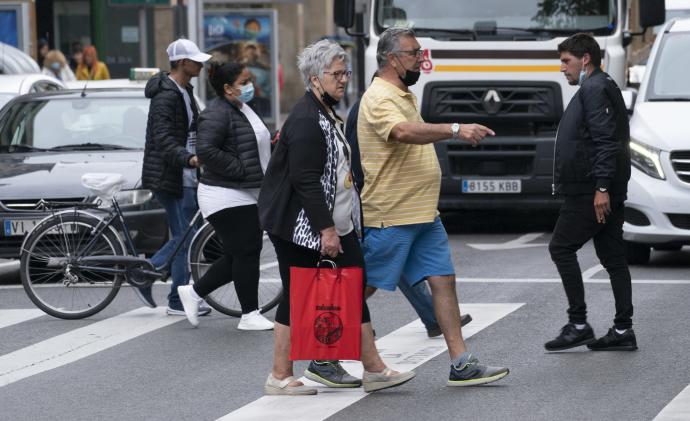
(89, 251)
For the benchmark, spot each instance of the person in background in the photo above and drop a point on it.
(55, 64)
(76, 55)
(91, 68)
(43, 48)
(234, 145)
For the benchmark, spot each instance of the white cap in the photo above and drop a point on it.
(184, 48)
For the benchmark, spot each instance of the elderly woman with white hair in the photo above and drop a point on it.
(310, 208)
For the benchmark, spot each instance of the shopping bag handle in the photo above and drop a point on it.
(327, 261)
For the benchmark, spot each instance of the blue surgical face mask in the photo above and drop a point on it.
(583, 75)
(246, 93)
(55, 66)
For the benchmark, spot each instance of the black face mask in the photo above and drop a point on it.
(411, 77)
(327, 98)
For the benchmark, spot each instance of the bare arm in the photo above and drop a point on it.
(420, 133)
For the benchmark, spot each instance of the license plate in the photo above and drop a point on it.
(492, 186)
(17, 227)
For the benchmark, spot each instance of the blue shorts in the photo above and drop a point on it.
(416, 251)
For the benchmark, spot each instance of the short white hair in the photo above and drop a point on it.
(317, 57)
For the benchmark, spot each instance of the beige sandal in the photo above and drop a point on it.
(274, 386)
(385, 379)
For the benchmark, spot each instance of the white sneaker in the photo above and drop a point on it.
(254, 321)
(189, 303)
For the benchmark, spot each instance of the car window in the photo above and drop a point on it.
(58, 122)
(669, 78)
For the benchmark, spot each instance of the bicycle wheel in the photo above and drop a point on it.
(206, 248)
(50, 270)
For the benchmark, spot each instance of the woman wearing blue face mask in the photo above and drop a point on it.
(233, 146)
(55, 65)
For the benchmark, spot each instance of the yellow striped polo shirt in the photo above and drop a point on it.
(401, 181)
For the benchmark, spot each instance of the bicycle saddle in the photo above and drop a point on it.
(103, 185)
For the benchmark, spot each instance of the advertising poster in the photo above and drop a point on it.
(247, 36)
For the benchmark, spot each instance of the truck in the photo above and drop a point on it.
(496, 63)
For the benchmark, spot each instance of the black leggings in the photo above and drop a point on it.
(239, 231)
(290, 254)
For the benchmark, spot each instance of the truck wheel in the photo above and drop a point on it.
(636, 253)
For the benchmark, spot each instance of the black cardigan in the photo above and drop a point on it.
(298, 193)
(227, 148)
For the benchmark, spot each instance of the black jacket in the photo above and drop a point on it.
(592, 147)
(165, 153)
(226, 146)
(298, 193)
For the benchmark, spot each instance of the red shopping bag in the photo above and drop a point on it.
(325, 313)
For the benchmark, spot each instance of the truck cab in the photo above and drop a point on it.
(496, 63)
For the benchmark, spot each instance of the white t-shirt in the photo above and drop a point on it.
(215, 198)
(188, 174)
(342, 209)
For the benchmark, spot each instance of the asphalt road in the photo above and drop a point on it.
(162, 369)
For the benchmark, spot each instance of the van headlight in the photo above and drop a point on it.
(646, 159)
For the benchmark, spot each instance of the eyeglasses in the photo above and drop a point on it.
(412, 53)
(338, 74)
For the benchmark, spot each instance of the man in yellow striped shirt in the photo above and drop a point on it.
(403, 235)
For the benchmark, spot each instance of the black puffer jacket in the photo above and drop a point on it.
(593, 143)
(165, 153)
(226, 145)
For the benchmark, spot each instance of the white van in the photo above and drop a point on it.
(658, 208)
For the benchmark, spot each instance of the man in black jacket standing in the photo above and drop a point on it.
(170, 160)
(591, 171)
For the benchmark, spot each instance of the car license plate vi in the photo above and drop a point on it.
(17, 227)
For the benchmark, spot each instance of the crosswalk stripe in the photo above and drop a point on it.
(403, 350)
(80, 343)
(678, 409)
(11, 317)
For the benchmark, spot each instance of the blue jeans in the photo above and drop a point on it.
(420, 298)
(179, 211)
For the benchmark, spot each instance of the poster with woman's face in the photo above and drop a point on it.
(246, 37)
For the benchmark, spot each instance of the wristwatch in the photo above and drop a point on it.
(603, 189)
(455, 130)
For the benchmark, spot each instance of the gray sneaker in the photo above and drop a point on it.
(331, 374)
(471, 373)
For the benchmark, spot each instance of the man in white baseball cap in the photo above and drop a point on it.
(170, 161)
(184, 49)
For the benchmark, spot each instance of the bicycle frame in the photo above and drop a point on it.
(132, 258)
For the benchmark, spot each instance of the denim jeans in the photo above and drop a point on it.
(179, 211)
(576, 225)
(420, 298)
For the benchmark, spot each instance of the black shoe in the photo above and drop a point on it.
(331, 374)
(436, 331)
(144, 294)
(571, 337)
(614, 341)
